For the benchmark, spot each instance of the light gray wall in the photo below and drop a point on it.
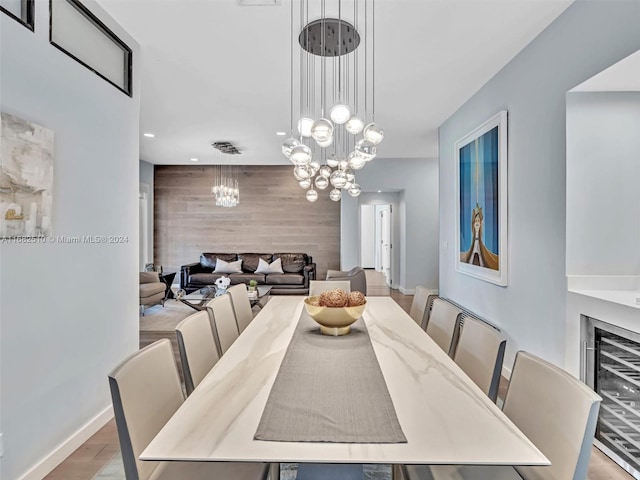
(69, 312)
(367, 236)
(416, 215)
(146, 176)
(588, 37)
(603, 183)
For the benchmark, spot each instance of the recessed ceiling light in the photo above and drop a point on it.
(150, 135)
(194, 159)
(281, 134)
(379, 191)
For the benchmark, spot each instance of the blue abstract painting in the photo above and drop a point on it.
(479, 201)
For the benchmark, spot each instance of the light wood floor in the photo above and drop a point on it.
(95, 453)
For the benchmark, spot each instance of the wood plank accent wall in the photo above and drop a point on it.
(273, 216)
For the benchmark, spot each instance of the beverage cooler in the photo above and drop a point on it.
(611, 366)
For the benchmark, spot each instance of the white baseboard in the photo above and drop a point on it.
(412, 291)
(66, 448)
(506, 372)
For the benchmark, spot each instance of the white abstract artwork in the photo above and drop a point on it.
(26, 178)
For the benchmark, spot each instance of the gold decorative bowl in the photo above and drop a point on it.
(333, 320)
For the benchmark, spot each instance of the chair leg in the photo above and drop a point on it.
(274, 471)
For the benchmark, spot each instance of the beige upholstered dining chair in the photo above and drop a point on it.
(420, 306)
(146, 392)
(480, 352)
(316, 287)
(556, 411)
(443, 324)
(223, 319)
(197, 346)
(241, 305)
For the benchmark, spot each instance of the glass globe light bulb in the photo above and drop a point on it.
(302, 172)
(306, 183)
(287, 145)
(304, 126)
(354, 125)
(214, 189)
(347, 185)
(356, 161)
(340, 113)
(326, 144)
(322, 130)
(332, 161)
(315, 166)
(335, 195)
(354, 190)
(325, 171)
(350, 174)
(338, 179)
(312, 195)
(300, 155)
(322, 182)
(373, 133)
(343, 164)
(365, 149)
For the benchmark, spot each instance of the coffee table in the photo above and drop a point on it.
(198, 300)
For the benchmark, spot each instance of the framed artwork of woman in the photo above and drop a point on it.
(481, 199)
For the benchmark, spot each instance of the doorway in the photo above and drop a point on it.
(375, 239)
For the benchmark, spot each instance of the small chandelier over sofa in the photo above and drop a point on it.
(225, 185)
(335, 134)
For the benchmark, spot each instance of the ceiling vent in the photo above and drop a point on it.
(226, 147)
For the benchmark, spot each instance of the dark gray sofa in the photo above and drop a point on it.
(298, 269)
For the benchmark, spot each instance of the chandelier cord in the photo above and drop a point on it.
(291, 73)
(373, 60)
(323, 60)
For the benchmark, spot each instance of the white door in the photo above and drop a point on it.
(384, 251)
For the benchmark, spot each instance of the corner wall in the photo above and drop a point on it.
(588, 37)
(416, 180)
(69, 311)
(603, 175)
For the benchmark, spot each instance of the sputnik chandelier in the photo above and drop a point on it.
(225, 185)
(335, 134)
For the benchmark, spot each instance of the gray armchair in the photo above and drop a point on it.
(152, 290)
(356, 276)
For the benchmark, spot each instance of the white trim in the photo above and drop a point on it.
(407, 291)
(62, 451)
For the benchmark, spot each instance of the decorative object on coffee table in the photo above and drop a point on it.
(222, 284)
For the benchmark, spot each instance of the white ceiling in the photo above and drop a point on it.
(213, 70)
(623, 76)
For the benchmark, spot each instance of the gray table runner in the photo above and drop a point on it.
(330, 389)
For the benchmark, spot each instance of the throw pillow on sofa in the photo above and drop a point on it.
(267, 268)
(228, 267)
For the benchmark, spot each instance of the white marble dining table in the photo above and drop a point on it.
(445, 417)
